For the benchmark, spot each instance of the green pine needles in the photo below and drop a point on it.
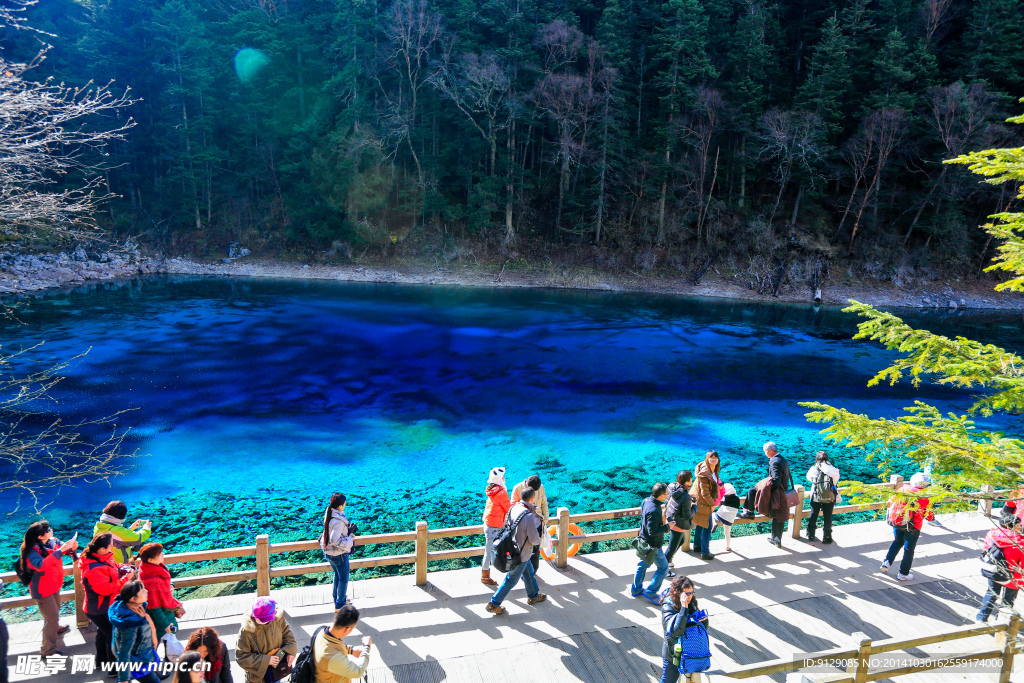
(962, 458)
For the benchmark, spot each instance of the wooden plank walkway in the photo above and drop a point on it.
(765, 603)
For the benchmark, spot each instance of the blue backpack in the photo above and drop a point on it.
(696, 650)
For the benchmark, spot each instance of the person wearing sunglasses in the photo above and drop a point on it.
(678, 607)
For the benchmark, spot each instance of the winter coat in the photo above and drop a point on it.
(126, 541)
(528, 530)
(540, 500)
(340, 541)
(771, 501)
(673, 624)
(334, 661)
(102, 579)
(48, 570)
(1012, 545)
(830, 470)
(778, 471)
(133, 637)
(726, 512)
(679, 506)
(923, 510)
(652, 522)
(255, 640)
(705, 492)
(157, 580)
(497, 506)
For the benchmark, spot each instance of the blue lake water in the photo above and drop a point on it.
(253, 400)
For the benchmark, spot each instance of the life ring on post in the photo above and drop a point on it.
(553, 533)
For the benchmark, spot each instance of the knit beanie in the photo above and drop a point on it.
(116, 508)
(263, 610)
(497, 476)
(920, 480)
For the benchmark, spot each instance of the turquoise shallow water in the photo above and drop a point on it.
(253, 400)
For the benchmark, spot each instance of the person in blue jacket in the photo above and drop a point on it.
(135, 637)
(677, 609)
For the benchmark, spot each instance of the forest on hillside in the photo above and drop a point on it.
(776, 139)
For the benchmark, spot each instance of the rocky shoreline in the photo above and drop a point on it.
(21, 273)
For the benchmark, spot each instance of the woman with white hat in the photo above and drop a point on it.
(906, 518)
(495, 510)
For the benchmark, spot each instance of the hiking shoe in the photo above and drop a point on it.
(652, 598)
(885, 567)
(826, 541)
(707, 556)
(746, 514)
(634, 593)
(810, 539)
(905, 577)
(540, 598)
(671, 574)
(494, 609)
(775, 542)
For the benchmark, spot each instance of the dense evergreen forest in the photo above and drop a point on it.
(770, 138)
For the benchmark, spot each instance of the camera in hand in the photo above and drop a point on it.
(353, 528)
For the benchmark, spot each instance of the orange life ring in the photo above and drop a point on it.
(553, 533)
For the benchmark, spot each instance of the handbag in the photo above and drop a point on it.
(283, 668)
(643, 549)
(173, 646)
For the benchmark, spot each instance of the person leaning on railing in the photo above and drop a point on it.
(41, 567)
(126, 539)
(102, 579)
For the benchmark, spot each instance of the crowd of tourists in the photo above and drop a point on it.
(129, 594)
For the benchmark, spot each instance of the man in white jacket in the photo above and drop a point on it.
(333, 660)
(824, 477)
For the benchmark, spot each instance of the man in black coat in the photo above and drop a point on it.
(782, 481)
(652, 530)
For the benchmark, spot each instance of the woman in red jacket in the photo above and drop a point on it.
(102, 579)
(41, 567)
(1010, 540)
(495, 510)
(161, 605)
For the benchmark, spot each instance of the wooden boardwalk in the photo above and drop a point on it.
(765, 603)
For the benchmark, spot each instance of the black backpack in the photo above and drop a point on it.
(823, 491)
(23, 571)
(994, 565)
(507, 553)
(304, 670)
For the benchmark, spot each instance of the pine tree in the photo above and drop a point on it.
(825, 91)
(993, 43)
(962, 458)
(894, 72)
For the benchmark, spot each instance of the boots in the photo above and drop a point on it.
(485, 578)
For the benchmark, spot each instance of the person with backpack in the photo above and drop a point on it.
(135, 639)
(206, 641)
(495, 511)
(650, 539)
(679, 612)
(540, 502)
(906, 520)
(678, 511)
(330, 659)
(521, 537)
(824, 476)
(102, 579)
(126, 539)
(1004, 547)
(705, 493)
(264, 640)
(337, 540)
(40, 566)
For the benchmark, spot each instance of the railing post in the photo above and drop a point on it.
(798, 513)
(81, 619)
(985, 504)
(1007, 641)
(263, 565)
(686, 541)
(897, 481)
(859, 667)
(562, 549)
(421, 553)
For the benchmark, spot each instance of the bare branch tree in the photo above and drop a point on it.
(38, 451)
(46, 134)
(791, 139)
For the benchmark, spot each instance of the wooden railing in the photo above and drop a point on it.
(421, 536)
(858, 669)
